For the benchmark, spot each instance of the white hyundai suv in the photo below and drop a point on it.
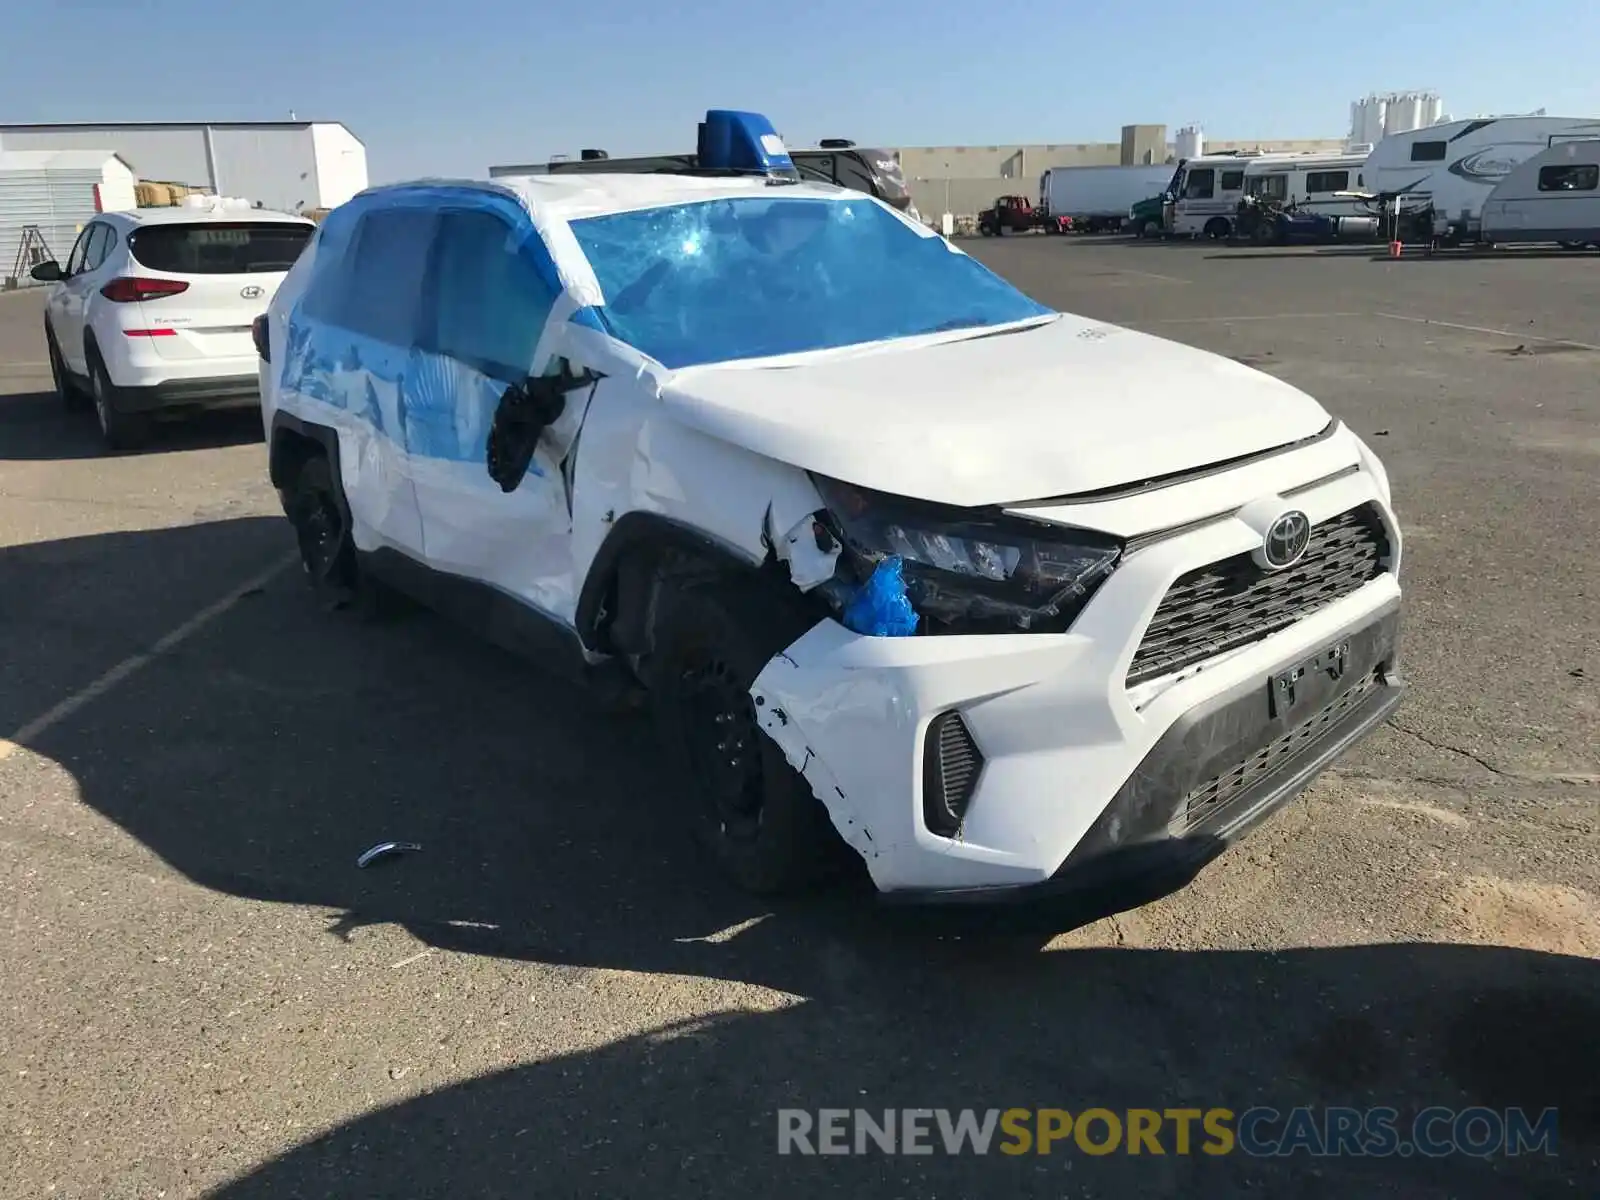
(1008, 602)
(151, 315)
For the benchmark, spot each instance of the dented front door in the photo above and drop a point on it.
(490, 308)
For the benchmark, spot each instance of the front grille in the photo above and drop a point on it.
(950, 768)
(1232, 603)
(1208, 804)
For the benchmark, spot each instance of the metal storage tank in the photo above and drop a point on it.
(286, 165)
(1433, 109)
(1405, 113)
(48, 196)
(1188, 143)
(1376, 110)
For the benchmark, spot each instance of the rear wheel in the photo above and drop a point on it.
(321, 520)
(1217, 228)
(745, 804)
(119, 430)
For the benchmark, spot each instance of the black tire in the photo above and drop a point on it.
(754, 814)
(1218, 228)
(118, 429)
(72, 397)
(317, 509)
(315, 506)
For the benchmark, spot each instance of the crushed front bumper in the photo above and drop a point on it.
(1081, 787)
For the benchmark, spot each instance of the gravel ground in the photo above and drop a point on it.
(201, 995)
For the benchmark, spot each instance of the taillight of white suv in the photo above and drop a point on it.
(130, 288)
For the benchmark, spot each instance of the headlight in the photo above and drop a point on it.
(970, 571)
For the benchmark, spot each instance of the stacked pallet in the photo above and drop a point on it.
(155, 193)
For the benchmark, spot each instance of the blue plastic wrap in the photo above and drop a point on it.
(429, 384)
(881, 608)
(755, 276)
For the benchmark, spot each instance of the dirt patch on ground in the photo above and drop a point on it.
(1534, 916)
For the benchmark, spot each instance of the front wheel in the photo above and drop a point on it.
(744, 803)
(67, 391)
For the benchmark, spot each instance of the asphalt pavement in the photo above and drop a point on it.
(201, 993)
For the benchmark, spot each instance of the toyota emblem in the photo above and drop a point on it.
(252, 292)
(1286, 540)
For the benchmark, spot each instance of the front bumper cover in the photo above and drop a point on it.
(1221, 770)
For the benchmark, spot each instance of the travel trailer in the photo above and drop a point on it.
(1552, 197)
(1437, 178)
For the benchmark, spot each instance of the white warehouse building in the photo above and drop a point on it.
(287, 165)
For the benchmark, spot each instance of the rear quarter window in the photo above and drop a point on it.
(220, 247)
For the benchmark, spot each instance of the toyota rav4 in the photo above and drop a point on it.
(1003, 600)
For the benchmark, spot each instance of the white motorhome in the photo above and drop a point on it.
(1440, 175)
(1205, 195)
(1552, 197)
(1312, 182)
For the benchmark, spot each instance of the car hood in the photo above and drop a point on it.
(1058, 409)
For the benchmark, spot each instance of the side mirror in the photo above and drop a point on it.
(525, 411)
(47, 272)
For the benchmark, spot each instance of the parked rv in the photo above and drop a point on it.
(1205, 195)
(1306, 197)
(1552, 197)
(1437, 178)
(1309, 181)
(1098, 198)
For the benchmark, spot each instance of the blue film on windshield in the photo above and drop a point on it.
(757, 276)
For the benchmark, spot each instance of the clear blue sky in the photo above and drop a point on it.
(450, 87)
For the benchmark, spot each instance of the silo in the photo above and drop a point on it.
(1394, 115)
(1188, 143)
(1377, 118)
(1433, 109)
(1405, 112)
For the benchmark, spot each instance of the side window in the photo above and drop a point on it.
(1427, 151)
(1573, 177)
(490, 302)
(100, 242)
(1327, 181)
(1270, 187)
(382, 295)
(1200, 184)
(1232, 181)
(75, 259)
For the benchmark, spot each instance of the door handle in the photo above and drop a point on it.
(525, 411)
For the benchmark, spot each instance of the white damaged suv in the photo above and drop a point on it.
(1006, 601)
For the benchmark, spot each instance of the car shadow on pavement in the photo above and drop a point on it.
(36, 427)
(693, 1109)
(261, 754)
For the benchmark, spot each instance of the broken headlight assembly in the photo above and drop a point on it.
(965, 570)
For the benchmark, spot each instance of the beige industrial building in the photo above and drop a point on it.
(973, 176)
